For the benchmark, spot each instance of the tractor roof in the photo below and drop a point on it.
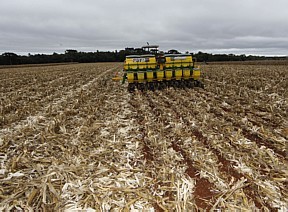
(147, 55)
(150, 47)
(176, 55)
(132, 56)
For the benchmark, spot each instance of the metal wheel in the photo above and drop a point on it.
(177, 84)
(182, 84)
(156, 85)
(173, 84)
(201, 85)
(141, 87)
(168, 84)
(186, 84)
(131, 87)
(160, 85)
(150, 86)
(191, 83)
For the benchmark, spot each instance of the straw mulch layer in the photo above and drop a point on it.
(71, 139)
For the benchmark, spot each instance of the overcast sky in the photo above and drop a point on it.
(216, 26)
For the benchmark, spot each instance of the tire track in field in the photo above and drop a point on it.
(186, 102)
(43, 116)
(272, 123)
(147, 151)
(263, 94)
(253, 136)
(203, 195)
(47, 121)
(272, 84)
(26, 82)
(226, 164)
(80, 144)
(39, 96)
(16, 112)
(109, 127)
(248, 190)
(239, 87)
(115, 123)
(152, 184)
(163, 153)
(44, 76)
(148, 156)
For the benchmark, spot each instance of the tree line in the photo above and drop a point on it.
(206, 57)
(70, 55)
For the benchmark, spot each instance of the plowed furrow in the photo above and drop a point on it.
(55, 109)
(149, 156)
(241, 107)
(216, 115)
(253, 136)
(249, 190)
(29, 105)
(139, 117)
(226, 164)
(25, 81)
(183, 108)
(203, 193)
(161, 151)
(240, 89)
(269, 120)
(112, 161)
(230, 117)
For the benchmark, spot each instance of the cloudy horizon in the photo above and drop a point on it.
(251, 27)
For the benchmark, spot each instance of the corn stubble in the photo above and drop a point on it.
(71, 139)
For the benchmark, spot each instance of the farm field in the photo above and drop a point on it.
(72, 139)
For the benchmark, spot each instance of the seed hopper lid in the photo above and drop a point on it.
(132, 56)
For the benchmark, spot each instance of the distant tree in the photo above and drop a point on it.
(243, 57)
(71, 51)
(173, 51)
(121, 55)
(71, 55)
(10, 58)
(203, 57)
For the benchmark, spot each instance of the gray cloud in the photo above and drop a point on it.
(222, 26)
